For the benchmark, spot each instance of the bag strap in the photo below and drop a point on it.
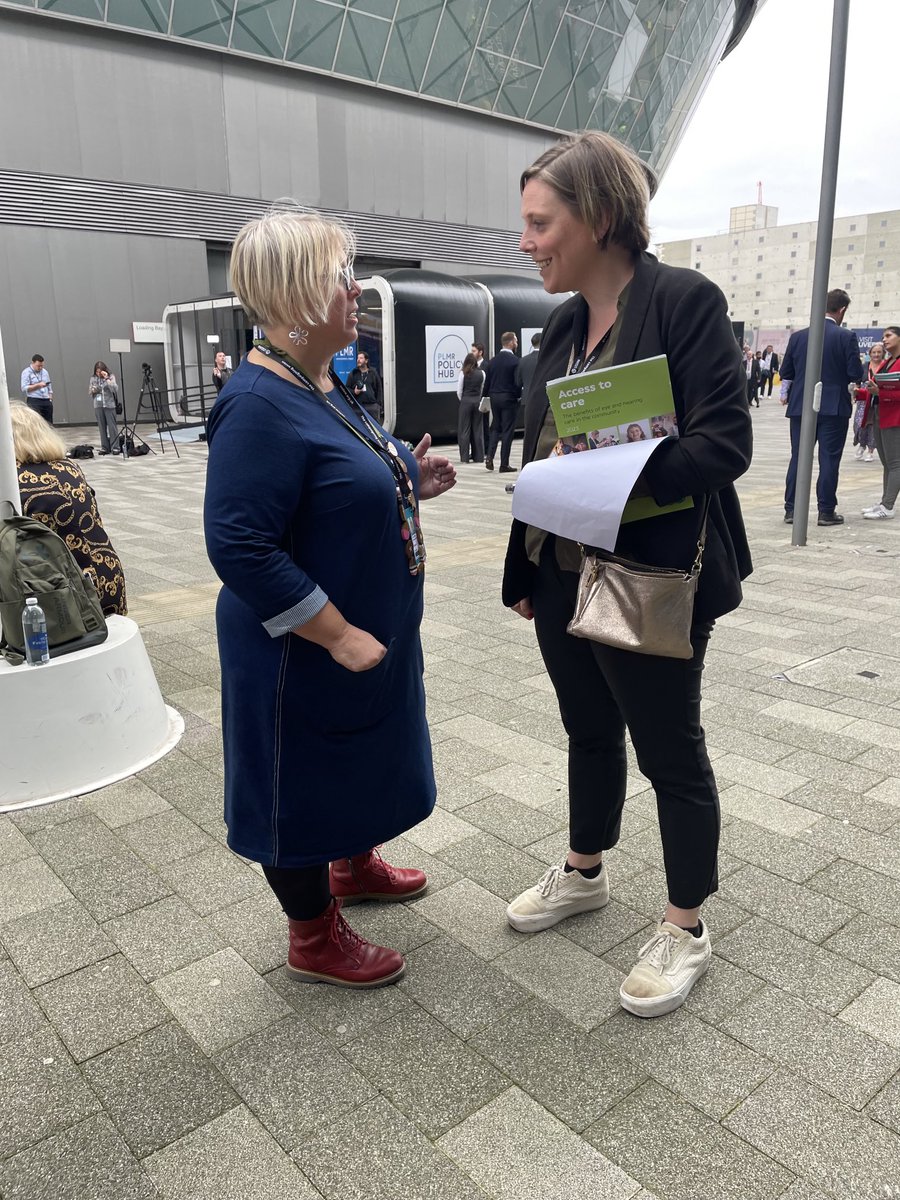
(608, 556)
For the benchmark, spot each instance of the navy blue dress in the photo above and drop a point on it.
(320, 762)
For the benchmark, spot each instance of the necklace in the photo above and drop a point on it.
(374, 440)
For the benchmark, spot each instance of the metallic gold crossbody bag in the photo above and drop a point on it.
(633, 606)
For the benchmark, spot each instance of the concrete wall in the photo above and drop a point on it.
(64, 294)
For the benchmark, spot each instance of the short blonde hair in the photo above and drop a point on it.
(601, 181)
(34, 439)
(286, 263)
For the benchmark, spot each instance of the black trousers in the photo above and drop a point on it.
(503, 426)
(601, 691)
(42, 406)
(468, 430)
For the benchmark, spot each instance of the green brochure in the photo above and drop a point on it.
(629, 403)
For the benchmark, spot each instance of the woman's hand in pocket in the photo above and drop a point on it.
(357, 650)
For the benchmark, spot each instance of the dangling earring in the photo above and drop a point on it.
(299, 336)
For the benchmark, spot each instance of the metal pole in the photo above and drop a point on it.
(824, 234)
(9, 476)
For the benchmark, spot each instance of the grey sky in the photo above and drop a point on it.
(763, 118)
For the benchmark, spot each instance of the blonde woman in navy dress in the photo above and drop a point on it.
(311, 521)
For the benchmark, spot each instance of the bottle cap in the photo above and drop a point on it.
(31, 599)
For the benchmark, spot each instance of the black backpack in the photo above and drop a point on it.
(85, 450)
(34, 561)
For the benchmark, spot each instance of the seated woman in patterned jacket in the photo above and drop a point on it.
(54, 491)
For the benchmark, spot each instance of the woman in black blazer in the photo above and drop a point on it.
(584, 207)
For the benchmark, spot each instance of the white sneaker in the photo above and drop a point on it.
(879, 513)
(870, 456)
(667, 968)
(860, 451)
(557, 894)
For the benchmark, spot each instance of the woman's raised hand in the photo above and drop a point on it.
(437, 474)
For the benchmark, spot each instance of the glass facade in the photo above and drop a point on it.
(631, 67)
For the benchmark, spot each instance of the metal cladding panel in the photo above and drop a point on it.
(424, 298)
(104, 206)
(518, 303)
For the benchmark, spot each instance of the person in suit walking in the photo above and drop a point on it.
(768, 366)
(752, 368)
(527, 364)
(500, 384)
(841, 366)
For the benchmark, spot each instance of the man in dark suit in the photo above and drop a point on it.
(500, 384)
(769, 365)
(527, 364)
(841, 366)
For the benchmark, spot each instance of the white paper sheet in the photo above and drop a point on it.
(581, 496)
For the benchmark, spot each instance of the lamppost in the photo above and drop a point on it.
(812, 391)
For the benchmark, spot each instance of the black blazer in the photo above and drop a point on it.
(679, 313)
(501, 375)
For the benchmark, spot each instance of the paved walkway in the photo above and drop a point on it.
(153, 1047)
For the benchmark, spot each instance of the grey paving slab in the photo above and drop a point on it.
(44, 816)
(89, 1159)
(514, 1148)
(399, 926)
(42, 1091)
(578, 984)
(841, 805)
(293, 1080)
(599, 932)
(100, 1006)
(877, 1011)
(455, 1082)
(858, 845)
(471, 914)
(550, 1058)
(22, 1015)
(872, 944)
(158, 1087)
(782, 816)
(212, 879)
(515, 823)
(695, 1060)
(67, 847)
(681, 1154)
(256, 928)
(805, 912)
(28, 885)
(462, 990)
(402, 853)
(14, 845)
(230, 1158)
(162, 937)
(850, 1065)
(220, 999)
(55, 941)
(341, 1014)
(375, 1152)
(861, 887)
(794, 964)
(818, 1138)
(885, 1108)
(120, 884)
(774, 852)
(498, 867)
(165, 837)
(122, 803)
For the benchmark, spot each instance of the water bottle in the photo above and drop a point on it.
(34, 626)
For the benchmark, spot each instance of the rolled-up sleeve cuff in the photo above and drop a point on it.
(309, 607)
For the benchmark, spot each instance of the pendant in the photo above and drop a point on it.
(392, 449)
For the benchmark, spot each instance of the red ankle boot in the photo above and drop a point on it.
(369, 877)
(326, 950)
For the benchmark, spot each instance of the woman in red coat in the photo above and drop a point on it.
(884, 400)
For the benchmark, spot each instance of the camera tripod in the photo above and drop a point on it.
(151, 398)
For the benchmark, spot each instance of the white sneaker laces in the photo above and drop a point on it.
(658, 951)
(549, 882)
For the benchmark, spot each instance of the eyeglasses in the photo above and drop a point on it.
(346, 276)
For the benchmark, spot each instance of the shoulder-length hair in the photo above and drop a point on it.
(470, 362)
(285, 265)
(34, 439)
(603, 182)
(100, 366)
